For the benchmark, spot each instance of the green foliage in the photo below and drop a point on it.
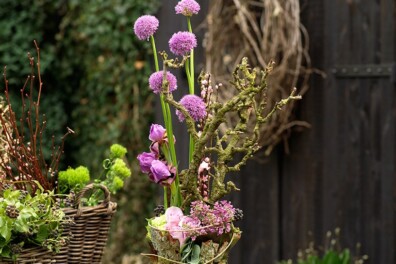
(330, 257)
(105, 85)
(190, 252)
(28, 221)
(21, 23)
(73, 179)
(333, 254)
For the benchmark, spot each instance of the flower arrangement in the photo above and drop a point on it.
(195, 225)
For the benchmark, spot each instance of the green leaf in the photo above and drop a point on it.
(21, 225)
(27, 212)
(196, 250)
(330, 258)
(5, 228)
(42, 234)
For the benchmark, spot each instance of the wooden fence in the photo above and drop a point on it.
(341, 172)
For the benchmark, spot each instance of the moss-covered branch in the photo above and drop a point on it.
(241, 140)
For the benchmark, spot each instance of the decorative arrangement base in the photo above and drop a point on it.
(213, 249)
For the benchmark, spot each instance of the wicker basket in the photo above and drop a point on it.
(88, 234)
(34, 255)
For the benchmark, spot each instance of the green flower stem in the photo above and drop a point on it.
(165, 197)
(191, 78)
(191, 60)
(166, 115)
(175, 189)
(155, 53)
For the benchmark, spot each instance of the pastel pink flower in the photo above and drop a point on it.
(173, 215)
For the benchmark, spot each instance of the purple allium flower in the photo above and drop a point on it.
(187, 7)
(145, 160)
(194, 105)
(160, 173)
(157, 133)
(182, 43)
(145, 27)
(155, 81)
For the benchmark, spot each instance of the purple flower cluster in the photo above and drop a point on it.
(187, 7)
(194, 105)
(156, 81)
(182, 42)
(217, 220)
(145, 26)
(150, 163)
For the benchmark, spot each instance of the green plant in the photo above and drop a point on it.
(115, 172)
(333, 254)
(27, 220)
(73, 179)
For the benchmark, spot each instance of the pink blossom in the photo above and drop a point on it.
(157, 133)
(145, 160)
(173, 216)
(161, 173)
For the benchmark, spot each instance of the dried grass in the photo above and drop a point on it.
(262, 30)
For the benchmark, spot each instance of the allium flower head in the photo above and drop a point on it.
(145, 27)
(194, 105)
(182, 43)
(155, 81)
(187, 7)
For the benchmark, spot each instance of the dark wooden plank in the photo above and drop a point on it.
(258, 199)
(359, 169)
(301, 174)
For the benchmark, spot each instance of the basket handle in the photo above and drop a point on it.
(104, 203)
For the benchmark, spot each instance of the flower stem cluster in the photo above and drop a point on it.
(22, 136)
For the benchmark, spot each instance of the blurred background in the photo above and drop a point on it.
(328, 161)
